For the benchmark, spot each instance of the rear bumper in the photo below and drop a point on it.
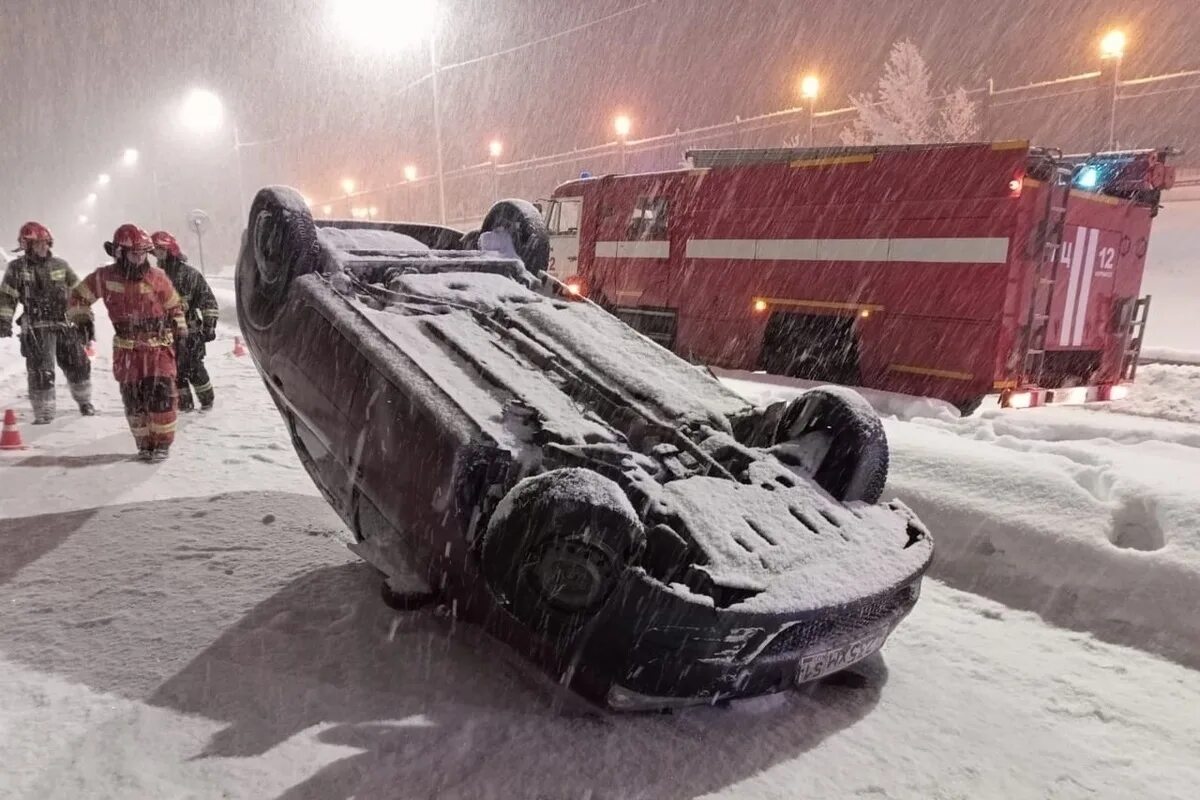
(1034, 396)
(683, 653)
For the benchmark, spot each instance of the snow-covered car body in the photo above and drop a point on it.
(603, 506)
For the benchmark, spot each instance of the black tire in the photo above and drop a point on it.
(278, 246)
(405, 601)
(855, 464)
(470, 240)
(525, 225)
(556, 548)
(969, 407)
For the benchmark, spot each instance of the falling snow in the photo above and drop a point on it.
(206, 627)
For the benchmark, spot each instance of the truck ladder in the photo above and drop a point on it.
(1045, 275)
(1133, 327)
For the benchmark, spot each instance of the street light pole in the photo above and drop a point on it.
(1112, 108)
(810, 87)
(437, 129)
(1112, 50)
(241, 180)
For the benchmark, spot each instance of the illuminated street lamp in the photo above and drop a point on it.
(389, 26)
(203, 112)
(1112, 45)
(83, 220)
(1112, 50)
(810, 89)
(410, 173)
(326, 210)
(495, 148)
(90, 199)
(103, 179)
(349, 185)
(130, 157)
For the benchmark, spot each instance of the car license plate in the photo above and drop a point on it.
(826, 662)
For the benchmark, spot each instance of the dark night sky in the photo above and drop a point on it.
(83, 79)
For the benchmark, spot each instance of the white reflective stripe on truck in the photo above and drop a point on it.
(1081, 258)
(1085, 286)
(947, 250)
(640, 249)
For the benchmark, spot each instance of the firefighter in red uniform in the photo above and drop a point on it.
(148, 318)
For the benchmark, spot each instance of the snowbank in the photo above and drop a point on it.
(763, 389)
(195, 629)
(1084, 514)
(1172, 277)
(1170, 355)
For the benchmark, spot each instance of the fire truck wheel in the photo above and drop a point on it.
(526, 227)
(557, 546)
(836, 438)
(280, 245)
(969, 407)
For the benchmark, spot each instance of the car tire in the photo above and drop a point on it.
(525, 225)
(854, 462)
(278, 246)
(470, 240)
(556, 547)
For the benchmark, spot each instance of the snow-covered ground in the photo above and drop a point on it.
(198, 629)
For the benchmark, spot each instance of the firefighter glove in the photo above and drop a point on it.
(5, 329)
(87, 329)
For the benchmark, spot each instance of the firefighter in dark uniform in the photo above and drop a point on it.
(41, 283)
(200, 309)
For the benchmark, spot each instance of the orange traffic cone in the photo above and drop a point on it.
(10, 437)
(239, 349)
(90, 349)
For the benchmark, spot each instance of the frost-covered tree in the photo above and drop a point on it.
(904, 110)
(959, 117)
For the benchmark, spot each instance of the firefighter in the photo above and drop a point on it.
(200, 311)
(147, 318)
(41, 282)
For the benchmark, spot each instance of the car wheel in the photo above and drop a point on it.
(556, 548)
(470, 240)
(525, 225)
(833, 436)
(278, 246)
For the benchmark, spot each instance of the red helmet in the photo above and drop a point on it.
(33, 232)
(167, 242)
(131, 238)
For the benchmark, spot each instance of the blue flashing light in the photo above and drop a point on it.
(585, 174)
(1087, 178)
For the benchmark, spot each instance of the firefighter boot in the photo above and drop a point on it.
(185, 397)
(81, 392)
(41, 396)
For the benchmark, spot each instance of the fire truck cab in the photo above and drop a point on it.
(947, 270)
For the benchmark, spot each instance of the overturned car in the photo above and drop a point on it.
(606, 508)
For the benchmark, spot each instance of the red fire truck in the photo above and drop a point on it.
(950, 270)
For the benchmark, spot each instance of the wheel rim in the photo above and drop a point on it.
(266, 248)
(571, 574)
